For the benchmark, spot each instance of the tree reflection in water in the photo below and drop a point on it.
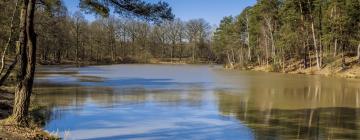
(293, 115)
(273, 106)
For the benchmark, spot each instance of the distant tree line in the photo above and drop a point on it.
(64, 36)
(277, 33)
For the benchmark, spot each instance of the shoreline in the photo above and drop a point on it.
(150, 61)
(34, 131)
(330, 70)
(348, 73)
(351, 71)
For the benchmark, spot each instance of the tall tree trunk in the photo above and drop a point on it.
(305, 58)
(248, 37)
(249, 53)
(310, 59)
(269, 24)
(273, 49)
(267, 53)
(115, 53)
(172, 51)
(181, 47)
(320, 36)
(230, 63)
(97, 55)
(77, 49)
(193, 52)
(335, 47)
(27, 64)
(240, 57)
(233, 55)
(358, 53)
(181, 53)
(283, 60)
(343, 56)
(321, 53)
(318, 63)
(77, 28)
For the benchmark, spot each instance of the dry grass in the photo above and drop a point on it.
(14, 132)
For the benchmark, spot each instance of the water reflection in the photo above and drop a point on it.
(289, 107)
(195, 102)
(134, 106)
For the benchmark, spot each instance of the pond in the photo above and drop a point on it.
(194, 102)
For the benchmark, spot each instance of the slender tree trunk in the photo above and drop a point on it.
(97, 55)
(273, 49)
(320, 36)
(77, 53)
(133, 44)
(283, 60)
(321, 53)
(305, 55)
(343, 56)
(267, 53)
(358, 53)
(181, 47)
(318, 63)
(77, 28)
(83, 51)
(59, 56)
(193, 52)
(91, 51)
(172, 51)
(123, 44)
(231, 65)
(249, 53)
(248, 37)
(233, 55)
(309, 55)
(115, 52)
(181, 53)
(335, 47)
(305, 58)
(240, 57)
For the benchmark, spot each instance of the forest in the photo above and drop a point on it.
(298, 34)
(274, 33)
(112, 39)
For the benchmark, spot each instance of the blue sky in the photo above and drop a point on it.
(210, 10)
